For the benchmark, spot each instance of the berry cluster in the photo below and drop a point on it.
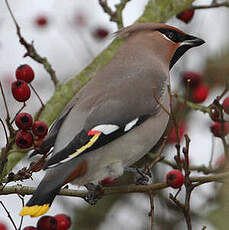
(25, 138)
(58, 222)
(199, 91)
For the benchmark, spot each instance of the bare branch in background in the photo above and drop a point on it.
(8, 214)
(115, 16)
(32, 52)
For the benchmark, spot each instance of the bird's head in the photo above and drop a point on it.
(169, 42)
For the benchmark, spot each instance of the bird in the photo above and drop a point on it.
(115, 119)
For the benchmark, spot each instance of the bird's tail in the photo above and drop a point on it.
(41, 200)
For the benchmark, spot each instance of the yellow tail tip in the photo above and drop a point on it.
(34, 211)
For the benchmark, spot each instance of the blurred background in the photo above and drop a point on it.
(71, 34)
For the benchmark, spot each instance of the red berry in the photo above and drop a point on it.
(108, 181)
(101, 33)
(226, 105)
(216, 129)
(3, 226)
(41, 21)
(186, 15)
(20, 90)
(47, 223)
(63, 222)
(30, 228)
(181, 130)
(25, 73)
(24, 139)
(199, 93)
(192, 77)
(24, 121)
(39, 129)
(175, 178)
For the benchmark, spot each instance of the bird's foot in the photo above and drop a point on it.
(142, 176)
(95, 192)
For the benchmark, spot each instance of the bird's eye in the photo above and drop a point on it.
(170, 35)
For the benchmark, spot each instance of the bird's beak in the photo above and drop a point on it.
(193, 41)
(189, 42)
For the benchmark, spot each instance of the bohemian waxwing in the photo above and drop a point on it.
(116, 118)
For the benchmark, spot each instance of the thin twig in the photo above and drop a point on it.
(192, 105)
(23, 106)
(188, 184)
(151, 214)
(115, 16)
(5, 131)
(11, 129)
(157, 157)
(8, 214)
(32, 52)
(177, 158)
(42, 104)
(158, 101)
(212, 152)
(223, 93)
(23, 204)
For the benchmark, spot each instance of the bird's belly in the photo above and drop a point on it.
(109, 160)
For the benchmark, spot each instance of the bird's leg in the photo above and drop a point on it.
(142, 176)
(95, 192)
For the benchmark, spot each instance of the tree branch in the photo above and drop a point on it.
(24, 190)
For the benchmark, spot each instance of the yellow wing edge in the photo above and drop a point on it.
(88, 145)
(34, 211)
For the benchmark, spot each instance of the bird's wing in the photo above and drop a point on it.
(101, 118)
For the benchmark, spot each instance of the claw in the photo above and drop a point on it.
(95, 192)
(142, 175)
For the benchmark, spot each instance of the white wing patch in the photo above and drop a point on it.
(105, 129)
(130, 125)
